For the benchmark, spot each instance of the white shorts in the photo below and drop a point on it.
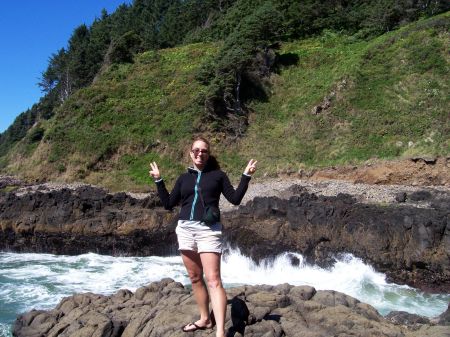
(198, 237)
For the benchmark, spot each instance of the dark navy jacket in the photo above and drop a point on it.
(211, 183)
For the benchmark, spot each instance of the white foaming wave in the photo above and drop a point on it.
(30, 296)
(24, 272)
(35, 293)
(165, 267)
(106, 274)
(20, 257)
(344, 276)
(5, 330)
(349, 275)
(42, 280)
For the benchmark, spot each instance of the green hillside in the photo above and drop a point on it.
(334, 99)
(382, 96)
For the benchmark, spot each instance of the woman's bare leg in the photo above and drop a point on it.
(211, 268)
(193, 265)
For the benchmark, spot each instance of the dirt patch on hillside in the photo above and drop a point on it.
(419, 171)
(373, 182)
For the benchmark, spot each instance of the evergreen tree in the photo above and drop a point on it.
(79, 58)
(57, 77)
(243, 63)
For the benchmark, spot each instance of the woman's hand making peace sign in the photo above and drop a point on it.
(251, 167)
(154, 171)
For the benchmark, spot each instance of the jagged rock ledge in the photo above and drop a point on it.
(407, 237)
(76, 219)
(162, 308)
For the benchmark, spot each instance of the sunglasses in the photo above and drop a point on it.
(199, 151)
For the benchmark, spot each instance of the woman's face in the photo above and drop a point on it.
(199, 154)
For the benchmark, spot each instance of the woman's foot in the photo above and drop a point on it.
(199, 325)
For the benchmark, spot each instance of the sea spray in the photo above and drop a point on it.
(40, 281)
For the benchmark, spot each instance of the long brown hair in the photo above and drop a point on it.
(213, 163)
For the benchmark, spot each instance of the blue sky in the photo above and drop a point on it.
(30, 31)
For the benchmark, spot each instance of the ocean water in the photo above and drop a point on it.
(40, 281)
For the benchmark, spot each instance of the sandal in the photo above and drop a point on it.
(194, 327)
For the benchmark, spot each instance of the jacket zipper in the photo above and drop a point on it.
(195, 195)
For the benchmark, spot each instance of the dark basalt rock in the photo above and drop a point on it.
(400, 197)
(425, 159)
(86, 219)
(9, 181)
(405, 318)
(420, 196)
(162, 308)
(444, 318)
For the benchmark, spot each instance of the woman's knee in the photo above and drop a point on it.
(195, 277)
(214, 281)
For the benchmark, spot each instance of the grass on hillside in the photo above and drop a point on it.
(136, 113)
(391, 100)
(388, 98)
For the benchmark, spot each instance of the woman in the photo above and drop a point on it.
(201, 244)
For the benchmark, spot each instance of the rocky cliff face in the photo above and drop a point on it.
(409, 242)
(84, 219)
(162, 308)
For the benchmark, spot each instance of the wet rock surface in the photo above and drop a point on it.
(162, 308)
